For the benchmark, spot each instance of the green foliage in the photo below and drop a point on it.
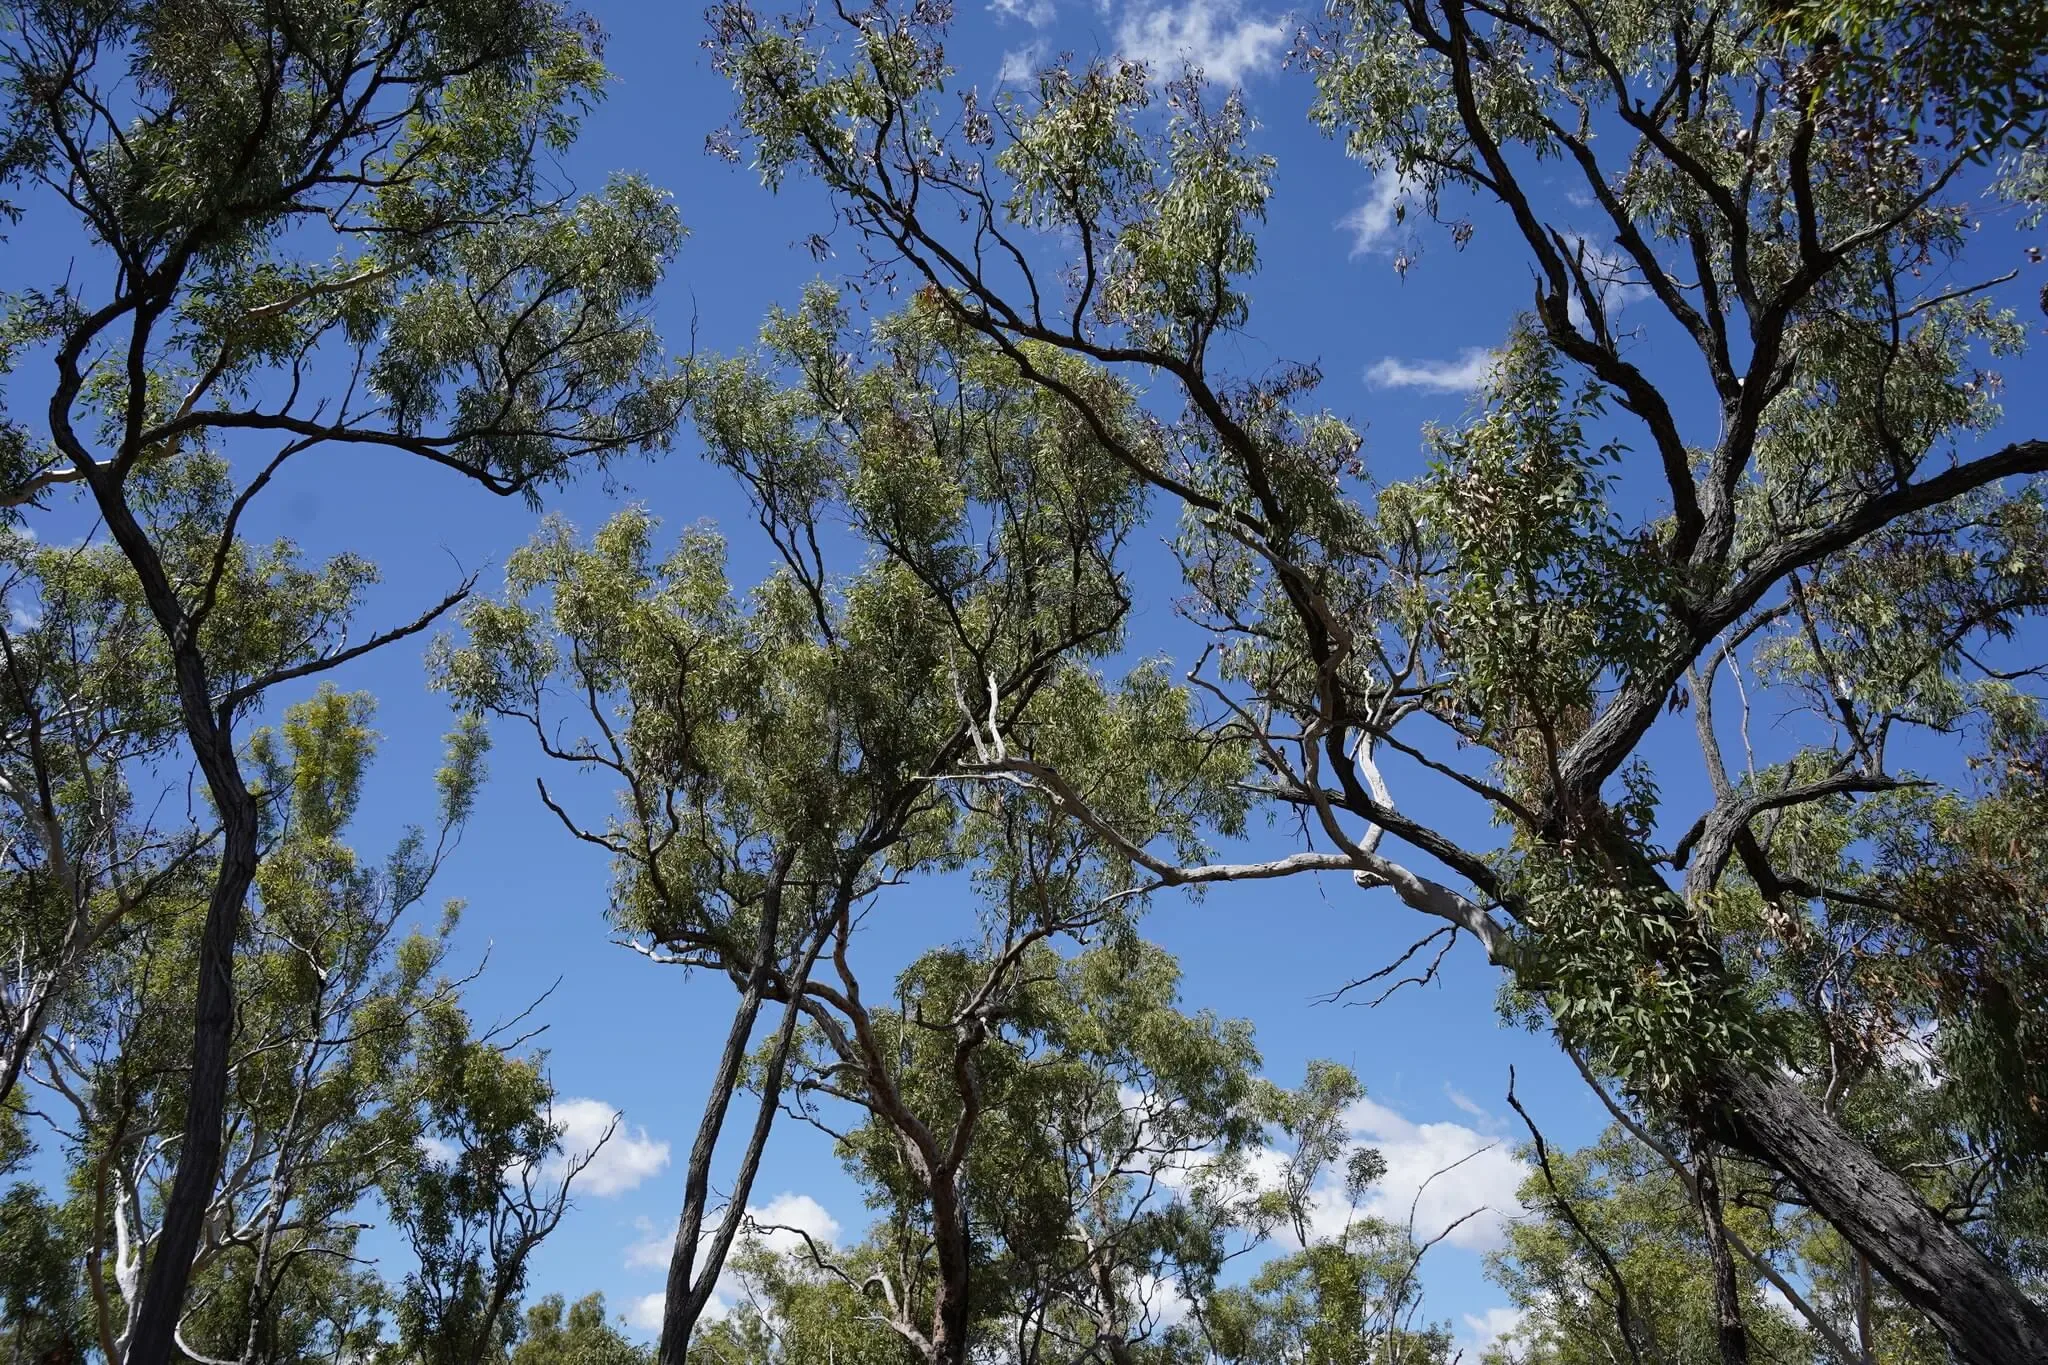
(820, 717)
(1626, 973)
(1771, 520)
(359, 1068)
(43, 1312)
(84, 682)
(472, 1217)
(498, 327)
(1543, 595)
(1124, 1155)
(1352, 1300)
(1093, 1100)
(921, 689)
(307, 226)
(1642, 1219)
(1979, 64)
(1640, 1215)
(579, 1336)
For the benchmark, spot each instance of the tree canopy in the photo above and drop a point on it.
(1692, 675)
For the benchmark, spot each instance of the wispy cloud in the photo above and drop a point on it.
(1484, 1331)
(1615, 281)
(628, 1158)
(1021, 64)
(1037, 13)
(1213, 35)
(1463, 375)
(1469, 1105)
(651, 1250)
(1442, 1172)
(1372, 223)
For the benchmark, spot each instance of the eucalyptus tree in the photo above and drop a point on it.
(308, 226)
(1612, 1264)
(1352, 1299)
(1107, 1148)
(42, 1313)
(1805, 494)
(945, 539)
(578, 1336)
(1129, 1160)
(88, 704)
(356, 1079)
(1979, 64)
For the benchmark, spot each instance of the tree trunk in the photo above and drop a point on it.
(28, 1031)
(1864, 1335)
(1729, 1330)
(951, 1247)
(690, 1285)
(213, 1014)
(1982, 1315)
(682, 1304)
(213, 1024)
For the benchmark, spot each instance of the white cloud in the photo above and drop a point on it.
(1021, 64)
(1374, 221)
(1463, 375)
(651, 1251)
(1037, 13)
(1467, 1103)
(1484, 1330)
(779, 1218)
(1613, 276)
(1440, 1174)
(1213, 35)
(645, 1312)
(1165, 1305)
(1485, 1178)
(777, 1221)
(628, 1158)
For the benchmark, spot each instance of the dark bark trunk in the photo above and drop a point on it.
(681, 1305)
(1864, 1335)
(1729, 1330)
(213, 1022)
(950, 1245)
(1982, 1315)
(213, 1013)
(690, 1285)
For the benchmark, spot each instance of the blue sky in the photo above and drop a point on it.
(1399, 350)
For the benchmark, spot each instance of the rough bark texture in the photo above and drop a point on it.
(1982, 1315)
(1729, 1330)
(950, 1242)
